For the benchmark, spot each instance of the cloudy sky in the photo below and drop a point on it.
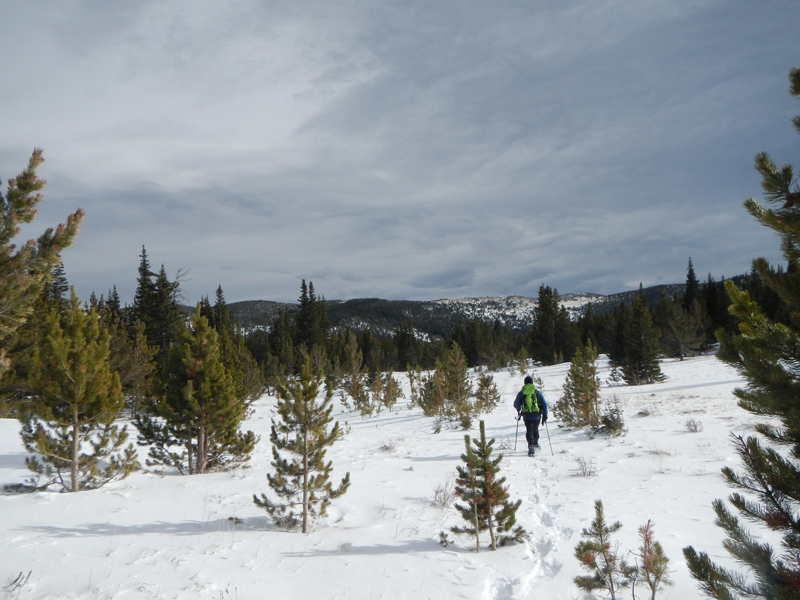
(402, 149)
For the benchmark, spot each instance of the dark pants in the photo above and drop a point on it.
(532, 430)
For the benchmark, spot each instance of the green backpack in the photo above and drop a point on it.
(529, 402)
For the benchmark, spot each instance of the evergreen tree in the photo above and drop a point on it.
(655, 564)
(554, 336)
(143, 308)
(165, 320)
(70, 426)
(406, 342)
(25, 267)
(487, 396)
(156, 305)
(15, 391)
(311, 325)
(302, 480)
(198, 409)
(683, 330)
(716, 303)
(245, 372)
(354, 375)
(447, 394)
(281, 340)
(766, 353)
(461, 404)
(113, 304)
(691, 293)
(56, 287)
(602, 558)
(640, 362)
(386, 391)
(579, 405)
(487, 502)
(468, 489)
(129, 357)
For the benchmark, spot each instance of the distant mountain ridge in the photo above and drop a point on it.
(437, 317)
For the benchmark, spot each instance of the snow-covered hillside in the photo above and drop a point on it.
(515, 310)
(165, 536)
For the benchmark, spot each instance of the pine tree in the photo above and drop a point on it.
(311, 325)
(56, 287)
(129, 357)
(198, 408)
(579, 405)
(683, 330)
(447, 393)
(691, 293)
(302, 480)
(155, 304)
(766, 353)
(468, 489)
(70, 426)
(246, 374)
(461, 405)
(143, 307)
(602, 558)
(654, 568)
(386, 391)
(25, 267)
(640, 362)
(406, 342)
(487, 396)
(165, 320)
(487, 507)
(553, 336)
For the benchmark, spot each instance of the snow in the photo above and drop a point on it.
(158, 535)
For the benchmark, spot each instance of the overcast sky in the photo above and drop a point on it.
(402, 150)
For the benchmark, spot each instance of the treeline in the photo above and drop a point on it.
(632, 334)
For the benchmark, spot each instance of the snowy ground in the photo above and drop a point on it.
(155, 536)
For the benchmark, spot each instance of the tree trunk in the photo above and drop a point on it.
(201, 450)
(477, 529)
(75, 449)
(305, 479)
(189, 453)
(491, 530)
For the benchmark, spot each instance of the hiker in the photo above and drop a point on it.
(531, 406)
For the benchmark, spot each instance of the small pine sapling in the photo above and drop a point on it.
(488, 506)
(302, 480)
(447, 393)
(653, 569)
(578, 406)
(414, 385)
(386, 391)
(601, 558)
(468, 489)
(487, 396)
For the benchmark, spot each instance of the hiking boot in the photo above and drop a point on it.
(537, 446)
(531, 451)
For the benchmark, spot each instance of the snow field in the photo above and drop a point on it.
(167, 536)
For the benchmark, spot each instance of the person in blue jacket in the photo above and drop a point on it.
(532, 407)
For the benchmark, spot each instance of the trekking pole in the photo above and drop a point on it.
(515, 435)
(548, 438)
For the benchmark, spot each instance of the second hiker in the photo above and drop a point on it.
(531, 406)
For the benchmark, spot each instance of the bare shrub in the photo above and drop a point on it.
(444, 494)
(586, 466)
(693, 426)
(389, 446)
